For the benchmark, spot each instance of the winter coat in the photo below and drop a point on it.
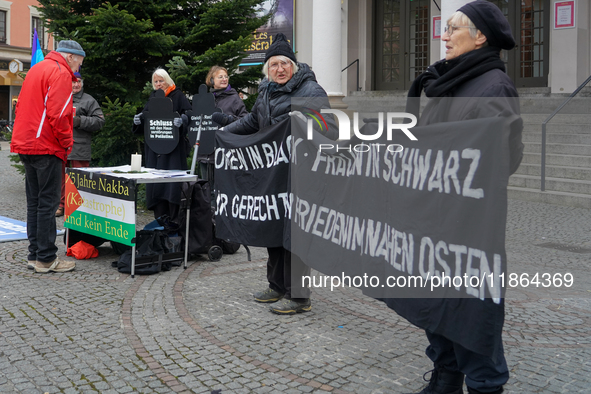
(274, 103)
(91, 120)
(43, 123)
(480, 96)
(175, 160)
(230, 102)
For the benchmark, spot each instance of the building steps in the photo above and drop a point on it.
(568, 142)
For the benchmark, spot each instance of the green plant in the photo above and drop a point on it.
(114, 144)
(17, 160)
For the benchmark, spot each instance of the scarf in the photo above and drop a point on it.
(217, 91)
(442, 77)
(169, 90)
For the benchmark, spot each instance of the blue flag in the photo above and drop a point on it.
(36, 53)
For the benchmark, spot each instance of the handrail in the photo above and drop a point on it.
(573, 94)
(354, 61)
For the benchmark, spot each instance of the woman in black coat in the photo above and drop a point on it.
(164, 198)
(226, 99)
(473, 75)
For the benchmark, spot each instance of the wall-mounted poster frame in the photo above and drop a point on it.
(564, 14)
(436, 26)
(282, 21)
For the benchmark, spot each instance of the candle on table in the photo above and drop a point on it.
(136, 162)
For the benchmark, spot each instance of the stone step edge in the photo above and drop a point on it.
(554, 179)
(555, 166)
(550, 192)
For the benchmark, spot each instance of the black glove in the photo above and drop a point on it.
(222, 119)
(76, 121)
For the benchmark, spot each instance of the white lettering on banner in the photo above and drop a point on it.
(411, 168)
(253, 157)
(379, 239)
(255, 208)
(107, 207)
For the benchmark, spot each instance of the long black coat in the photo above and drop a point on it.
(274, 103)
(175, 160)
(486, 95)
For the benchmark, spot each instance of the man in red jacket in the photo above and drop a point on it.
(42, 136)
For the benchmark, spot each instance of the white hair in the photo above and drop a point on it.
(458, 18)
(294, 65)
(65, 55)
(162, 73)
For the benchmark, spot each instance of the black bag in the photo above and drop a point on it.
(227, 246)
(197, 196)
(151, 245)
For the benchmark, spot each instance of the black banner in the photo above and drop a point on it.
(418, 224)
(251, 179)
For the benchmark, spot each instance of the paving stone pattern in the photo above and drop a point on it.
(196, 330)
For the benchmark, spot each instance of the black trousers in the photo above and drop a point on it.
(285, 272)
(482, 373)
(43, 182)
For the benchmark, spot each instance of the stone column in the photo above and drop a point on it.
(327, 47)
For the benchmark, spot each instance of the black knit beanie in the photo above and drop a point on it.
(489, 19)
(280, 47)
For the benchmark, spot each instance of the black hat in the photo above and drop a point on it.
(489, 19)
(280, 47)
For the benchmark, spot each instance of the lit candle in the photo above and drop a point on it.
(136, 162)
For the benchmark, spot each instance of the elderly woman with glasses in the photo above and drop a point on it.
(472, 68)
(226, 98)
(232, 106)
(285, 79)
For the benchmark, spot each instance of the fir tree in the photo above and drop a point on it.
(126, 40)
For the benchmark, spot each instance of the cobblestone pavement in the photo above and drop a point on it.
(196, 330)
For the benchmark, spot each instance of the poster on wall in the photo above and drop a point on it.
(564, 14)
(281, 21)
(436, 27)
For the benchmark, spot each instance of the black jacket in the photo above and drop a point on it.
(489, 94)
(230, 102)
(175, 160)
(274, 103)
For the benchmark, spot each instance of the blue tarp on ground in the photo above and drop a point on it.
(14, 230)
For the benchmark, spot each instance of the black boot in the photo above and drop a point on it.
(474, 391)
(444, 382)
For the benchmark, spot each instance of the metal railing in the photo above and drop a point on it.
(543, 180)
(353, 62)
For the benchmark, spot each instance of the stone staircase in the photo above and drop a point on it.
(568, 143)
(568, 150)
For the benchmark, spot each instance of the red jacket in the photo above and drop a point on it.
(44, 112)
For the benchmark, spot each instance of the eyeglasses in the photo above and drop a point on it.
(449, 29)
(275, 66)
(222, 77)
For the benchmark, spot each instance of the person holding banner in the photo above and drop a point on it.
(226, 99)
(43, 137)
(285, 79)
(474, 36)
(162, 198)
